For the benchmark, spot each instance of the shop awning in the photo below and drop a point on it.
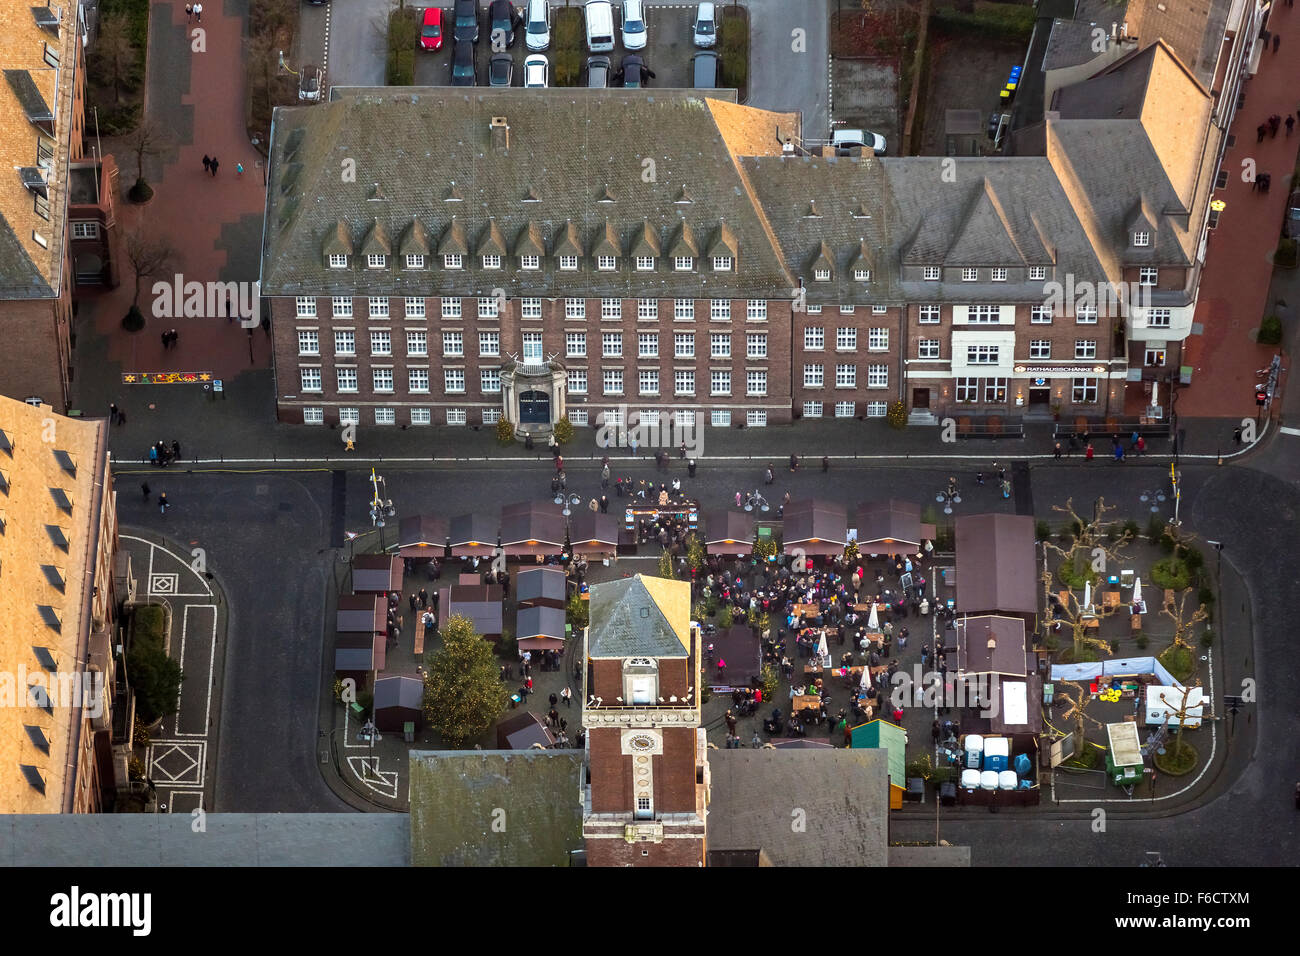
(888, 526)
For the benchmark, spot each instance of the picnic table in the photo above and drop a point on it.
(1110, 599)
(806, 702)
(806, 610)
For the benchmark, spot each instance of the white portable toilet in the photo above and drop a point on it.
(997, 753)
(1007, 780)
(989, 780)
(970, 779)
(974, 745)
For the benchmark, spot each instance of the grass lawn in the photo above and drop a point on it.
(734, 49)
(566, 46)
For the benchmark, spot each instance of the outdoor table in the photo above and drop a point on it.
(807, 610)
(875, 637)
(806, 702)
(1110, 599)
(812, 669)
(1091, 624)
(879, 669)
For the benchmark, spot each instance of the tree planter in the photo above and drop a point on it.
(141, 193)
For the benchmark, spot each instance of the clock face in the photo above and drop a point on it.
(642, 742)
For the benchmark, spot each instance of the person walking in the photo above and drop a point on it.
(144, 487)
(593, 506)
(207, 163)
(1056, 451)
(1087, 452)
(1277, 41)
(189, 13)
(214, 165)
(1290, 123)
(1140, 446)
(173, 333)
(604, 477)
(1119, 452)
(166, 340)
(604, 504)
(769, 476)
(554, 699)
(239, 170)
(121, 417)
(112, 414)
(1260, 132)
(934, 732)
(731, 722)
(690, 468)
(176, 450)
(794, 462)
(424, 598)
(162, 502)
(566, 695)
(1274, 122)
(826, 464)
(198, 18)
(1236, 435)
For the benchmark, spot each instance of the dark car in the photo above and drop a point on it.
(501, 70)
(466, 21)
(502, 20)
(598, 72)
(462, 64)
(633, 73)
(706, 70)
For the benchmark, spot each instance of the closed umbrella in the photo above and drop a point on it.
(822, 651)
(1137, 591)
(1087, 596)
(865, 682)
(873, 619)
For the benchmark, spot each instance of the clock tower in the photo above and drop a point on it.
(647, 772)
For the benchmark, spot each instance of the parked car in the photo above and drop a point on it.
(845, 139)
(598, 70)
(599, 17)
(431, 30)
(502, 21)
(501, 70)
(466, 25)
(633, 73)
(462, 64)
(537, 25)
(706, 70)
(706, 25)
(634, 32)
(309, 84)
(537, 72)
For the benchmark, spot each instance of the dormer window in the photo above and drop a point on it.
(683, 263)
(722, 263)
(645, 263)
(338, 262)
(605, 263)
(999, 275)
(930, 273)
(375, 262)
(861, 275)
(640, 681)
(491, 262)
(970, 275)
(821, 275)
(451, 262)
(1037, 272)
(568, 263)
(530, 263)
(415, 262)
(1141, 238)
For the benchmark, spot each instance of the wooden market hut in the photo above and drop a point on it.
(728, 533)
(881, 734)
(592, 534)
(541, 587)
(815, 526)
(532, 528)
(377, 573)
(422, 536)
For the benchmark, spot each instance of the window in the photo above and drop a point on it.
(998, 275)
(684, 345)
(575, 308)
(812, 409)
(720, 310)
(453, 345)
(491, 262)
(1084, 391)
(644, 809)
(489, 344)
(313, 416)
(414, 308)
(385, 416)
(306, 306)
(489, 308)
(421, 416)
(345, 343)
(347, 379)
(878, 340)
(453, 380)
(983, 314)
(1141, 238)
(530, 307)
(415, 262)
(1086, 316)
(645, 263)
(1159, 318)
(493, 415)
(417, 379)
(647, 345)
(877, 376)
(756, 310)
(684, 382)
(648, 309)
(1085, 348)
(611, 310)
(530, 263)
(605, 263)
(611, 344)
(532, 352)
(927, 348)
(719, 383)
(577, 381)
(846, 376)
(683, 263)
(846, 310)
(308, 342)
(490, 381)
(970, 275)
(568, 263)
(349, 416)
(756, 382)
(578, 416)
(1040, 315)
(451, 262)
(648, 379)
(928, 314)
(382, 378)
(720, 418)
(995, 391)
(845, 409)
(341, 306)
(575, 344)
(967, 389)
(338, 262)
(821, 275)
(982, 354)
(1040, 348)
(310, 377)
(377, 306)
(814, 338)
(613, 381)
(685, 417)
(813, 309)
(877, 409)
(756, 345)
(381, 343)
(722, 263)
(719, 345)
(456, 416)
(756, 418)
(451, 307)
(85, 230)
(1155, 357)
(648, 417)
(375, 262)
(861, 275)
(1037, 273)
(879, 310)
(846, 340)
(1148, 275)
(814, 376)
(683, 309)
(930, 273)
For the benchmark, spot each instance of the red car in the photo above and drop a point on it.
(431, 29)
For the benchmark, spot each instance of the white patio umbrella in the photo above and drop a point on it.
(1087, 596)
(873, 619)
(822, 651)
(1137, 590)
(865, 682)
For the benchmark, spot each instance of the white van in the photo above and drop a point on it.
(600, 26)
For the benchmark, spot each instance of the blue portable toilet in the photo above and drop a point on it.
(997, 753)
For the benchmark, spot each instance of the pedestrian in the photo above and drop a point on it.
(214, 165)
(153, 455)
(424, 598)
(737, 499)
(604, 504)
(528, 682)
(198, 18)
(166, 340)
(162, 502)
(604, 477)
(121, 417)
(794, 462)
(239, 170)
(207, 163)
(690, 468)
(559, 464)
(1087, 452)
(1260, 130)
(553, 717)
(554, 699)
(934, 731)
(1277, 41)
(173, 333)
(567, 696)
(1056, 451)
(731, 722)
(593, 506)
(826, 464)
(176, 450)
(564, 725)
(144, 487)
(189, 13)
(1290, 122)
(1119, 452)
(1236, 435)
(1140, 446)
(769, 476)
(112, 414)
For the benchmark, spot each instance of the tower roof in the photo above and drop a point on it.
(640, 616)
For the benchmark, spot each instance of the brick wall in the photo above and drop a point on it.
(825, 327)
(38, 330)
(680, 852)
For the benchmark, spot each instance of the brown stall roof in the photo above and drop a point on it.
(888, 522)
(532, 528)
(988, 644)
(362, 613)
(473, 535)
(422, 536)
(376, 573)
(540, 584)
(729, 532)
(481, 604)
(593, 533)
(995, 564)
(816, 526)
(521, 731)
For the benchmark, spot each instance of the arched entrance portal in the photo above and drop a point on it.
(534, 408)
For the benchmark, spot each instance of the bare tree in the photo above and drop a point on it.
(149, 139)
(1077, 711)
(1175, 608)
(1083, 553)
(115, 58)
(150, 255)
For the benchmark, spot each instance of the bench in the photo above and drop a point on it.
(1135, 623)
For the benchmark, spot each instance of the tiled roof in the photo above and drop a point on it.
(640, 616)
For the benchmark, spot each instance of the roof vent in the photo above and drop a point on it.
(38, 738)
(532, 196)
(33, 179)
(46, 19)
(377, 193)
(61, 499)
(66, 462)
(606, 195)
(500, 131)
(6, 444)
(45, 657)
(34, 778)
(683, 196)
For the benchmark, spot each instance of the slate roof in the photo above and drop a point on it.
(1008, 654)
(405, 692)
(540, 622)
(639, 616)
(995, 564)
(426, 145)
(540, 583)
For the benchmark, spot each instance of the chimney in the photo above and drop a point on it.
(500, 134)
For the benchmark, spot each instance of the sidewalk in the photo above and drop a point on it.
(1235, 292)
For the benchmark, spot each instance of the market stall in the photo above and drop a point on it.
(399, 701)
(473, 536)
(377, 573)
(540, 629)
(593, 534)
(889, 527)
(729, 533)
(814, 527)
(540, 587)
(1124, 763)
(422, 536)
(532, 528)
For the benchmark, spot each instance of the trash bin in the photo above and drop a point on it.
(947, 793)
(915, 790)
